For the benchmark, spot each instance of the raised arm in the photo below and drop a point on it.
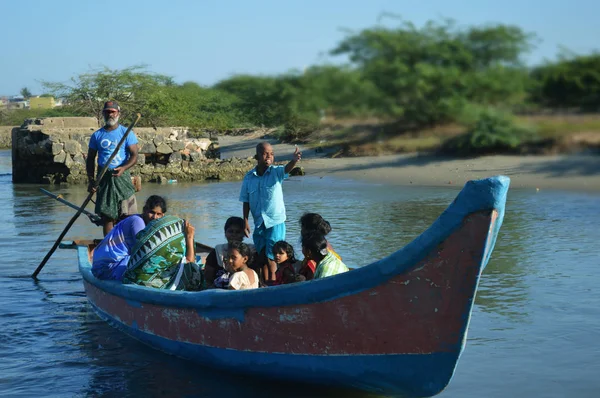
(297, 156)
(190, 245)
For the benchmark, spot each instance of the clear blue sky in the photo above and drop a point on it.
(208, 40)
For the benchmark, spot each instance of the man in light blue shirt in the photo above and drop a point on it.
(116, 193)
(262, 194)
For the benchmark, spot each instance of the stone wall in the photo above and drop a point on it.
(6, 136)
(54, 150)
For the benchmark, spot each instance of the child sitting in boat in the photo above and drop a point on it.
(284, 256)
(215, 266)
(314, 247)
(313, 224)
(239, 255)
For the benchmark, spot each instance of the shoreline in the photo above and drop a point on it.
(555, 172)
(548, 172)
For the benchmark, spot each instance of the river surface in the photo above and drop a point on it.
(535, 329)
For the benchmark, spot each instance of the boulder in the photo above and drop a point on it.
(78, 158)
(68, 160)
(60, 157)
(163, 148)
(175, 158)
(148, 148)
(197, 156)
(158, 139)
(72, 147)
(177, 145)
(203, 143)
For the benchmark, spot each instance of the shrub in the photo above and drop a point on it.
(488, 131)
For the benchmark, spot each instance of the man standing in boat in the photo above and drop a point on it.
(115, 196)
(262, 194)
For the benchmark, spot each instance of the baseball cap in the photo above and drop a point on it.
(112, 105)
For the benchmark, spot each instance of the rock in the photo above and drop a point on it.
(148, 148)
(76, 168)
(79, 159)
(141, 158)
(196, 156)
(177, 145)
(84, 144)
(158, 139)
(147, 169)
(185, 154)
(76, 136)
(162, 180)
(60, 157)
(163, 148)
(68, 160)
(72, 147)
(192, 147)
(203, 143)
(175, 157)
(174, 169)
(297, 171)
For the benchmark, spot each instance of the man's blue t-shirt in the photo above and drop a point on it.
(105, 143)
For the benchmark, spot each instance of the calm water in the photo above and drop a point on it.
(534, 331)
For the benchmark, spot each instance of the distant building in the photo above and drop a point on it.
(17, 103)
(41, 103)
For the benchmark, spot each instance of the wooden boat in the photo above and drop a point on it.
(395, 327)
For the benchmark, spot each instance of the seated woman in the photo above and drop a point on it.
(164, 255)
(310, 224)
(314, 247)
(111, 255)
(239, 255)
(215, 272)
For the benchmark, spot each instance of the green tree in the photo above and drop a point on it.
(134, 88)
(195, 106)
(571, 82)
(25, 93)
(340, 91)
(264, 100)
(427, 75)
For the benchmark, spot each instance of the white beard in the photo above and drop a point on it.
(111, 121)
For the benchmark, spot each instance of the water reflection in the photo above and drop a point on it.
(503, 289)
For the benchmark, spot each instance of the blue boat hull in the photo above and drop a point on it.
(396, 327)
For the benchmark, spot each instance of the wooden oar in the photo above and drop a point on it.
(93, 217)
(87, 200)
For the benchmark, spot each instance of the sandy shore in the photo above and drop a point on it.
(543, 172)
(568, 172)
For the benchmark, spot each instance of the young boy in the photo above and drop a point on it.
(262, 195)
